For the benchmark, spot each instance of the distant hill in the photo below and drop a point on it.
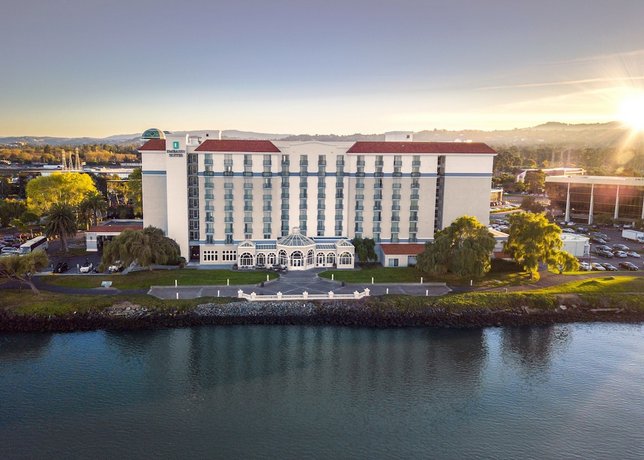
(591, 135)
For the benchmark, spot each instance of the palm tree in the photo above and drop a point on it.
(61, 222)
(93, 205)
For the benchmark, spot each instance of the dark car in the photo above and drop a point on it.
(628, 266)
(610, 267)
(603, 253)
(61, 267)
(621, 247)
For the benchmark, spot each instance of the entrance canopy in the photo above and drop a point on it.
(297, 252)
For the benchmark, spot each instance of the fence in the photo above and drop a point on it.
(254, 297)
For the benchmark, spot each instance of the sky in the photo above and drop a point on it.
(105, 67)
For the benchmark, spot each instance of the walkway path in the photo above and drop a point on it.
(296, 282)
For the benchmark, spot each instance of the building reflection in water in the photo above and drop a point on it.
(532, 349)
(15, 347)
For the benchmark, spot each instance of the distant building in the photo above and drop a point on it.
(215, 197)
(97, 235)
(583, 198)
(577, 245)
(552, 172)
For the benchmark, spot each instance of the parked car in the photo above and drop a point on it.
(582, 229)
(86, 267)
(61, 267)
(603, 253)
(601, 235)
(597, 240)
(621, 247)
(568, 230)
(603, 247)
(633, 254)
(9, 251)
(620, 254)
(629, 266)
(115, 267)
(610, 267)
(598, 267)
(585, 266)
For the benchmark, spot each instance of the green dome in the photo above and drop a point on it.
(153, 133)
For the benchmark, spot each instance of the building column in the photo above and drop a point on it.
(592, 204)
(616, 213)
(567, 217)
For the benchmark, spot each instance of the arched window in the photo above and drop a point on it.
(261, 259)
(330, 258)
(271, 259)
(310, 257)
(246, 260)
(282, 257)
(297, 259)
(345, 259)
(320, 258)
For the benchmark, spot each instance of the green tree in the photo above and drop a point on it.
(59, 188)
(9, 210)
(61, 222)
(370, 246)
(531, 204)
(135, 191)
(22, 268)
(464, 248)
(532, 240)
(535, 181)
(145, 247)
(360, 248)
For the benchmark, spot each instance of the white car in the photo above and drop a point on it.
(8, 250)
(620, 254)
(86, 267)
(598, 267)
(585, 266)
(633, 254)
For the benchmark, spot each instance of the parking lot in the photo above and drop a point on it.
(631, 249)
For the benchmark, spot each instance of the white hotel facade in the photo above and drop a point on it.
(299, 202)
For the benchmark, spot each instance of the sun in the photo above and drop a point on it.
(631, 111)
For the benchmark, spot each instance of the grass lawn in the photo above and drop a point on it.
(52, 303)
(603, 285)
(412, 275)
(145, 279)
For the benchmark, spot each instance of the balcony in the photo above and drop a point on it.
(209, 196)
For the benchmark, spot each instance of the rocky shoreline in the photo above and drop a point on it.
(129, 316)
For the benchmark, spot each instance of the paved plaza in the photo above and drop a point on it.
(297, 282)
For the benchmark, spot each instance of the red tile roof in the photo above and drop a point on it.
(402, 249)
(237, 145)
(116, 227)
(154, 145)
(420, 147)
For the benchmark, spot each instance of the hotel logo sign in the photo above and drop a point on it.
(176, 151)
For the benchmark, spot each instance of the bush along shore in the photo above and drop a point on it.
(461, 310)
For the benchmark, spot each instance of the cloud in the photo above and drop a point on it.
(583, 81)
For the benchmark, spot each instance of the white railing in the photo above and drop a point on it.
(254, 297)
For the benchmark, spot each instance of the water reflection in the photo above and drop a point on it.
(532, 349)
(355, 358)
(23, 346)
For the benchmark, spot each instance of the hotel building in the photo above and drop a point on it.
(300, 202)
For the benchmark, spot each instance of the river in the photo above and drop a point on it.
(562, 391)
